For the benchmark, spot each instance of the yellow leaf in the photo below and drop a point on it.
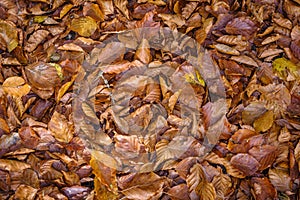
(65, 10)
(281, 65)
(264, 122)
(84, 26)
(39, 19)
(58, 69)
(16, 86)
(9, 34)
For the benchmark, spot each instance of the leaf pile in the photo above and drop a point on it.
(46, 47)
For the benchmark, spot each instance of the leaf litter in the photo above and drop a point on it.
(255, 46)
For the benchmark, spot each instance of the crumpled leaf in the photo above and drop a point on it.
(263, 189)
(122, 6)
(84, 26)
(280, 179)
(9, 33)
(35, 39)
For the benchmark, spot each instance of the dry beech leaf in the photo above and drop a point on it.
(195, 177)
(263, 189)
(109, 54)
(106, 6)
(42, 76)
(265, 155)
(13, 165)
(60, 128)
(122, 6)
(84, 26)
(8, 32)
(244, 60)
(206, 190)
(226, 49)
(16, 86)
(143, 52)
(25, 192)
(70, 47)
(280, 179)
(246, 163)
(188, 9)
(222, 184)
(173, 100)
(241, 26)
(143, 186)
(35, 39)
(264, 122)
(89, 113)
(93, 10)
(179, 192)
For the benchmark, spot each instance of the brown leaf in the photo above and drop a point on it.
(13, 165)
(35, 39)
(5, 180)
(246, 163)
(252, 112)
(29, 138)
(60, 128)
(196, 177)
(42, 76)
(263, 189)
(143, 52)
(109, 54)
(78, 192)
(31, 178)
(189, 9)
(244, 60)
(122, 6)
(179, 192)
(93, 10)
(144, 186)
(25, 192)
(226, 49)
(241, 26)
(265, 155)
(222, 184)
(280, 179)
(206, 190)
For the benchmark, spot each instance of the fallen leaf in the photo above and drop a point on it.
(60, 128)
(84, 26)
(16, 86)
(264, 122)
